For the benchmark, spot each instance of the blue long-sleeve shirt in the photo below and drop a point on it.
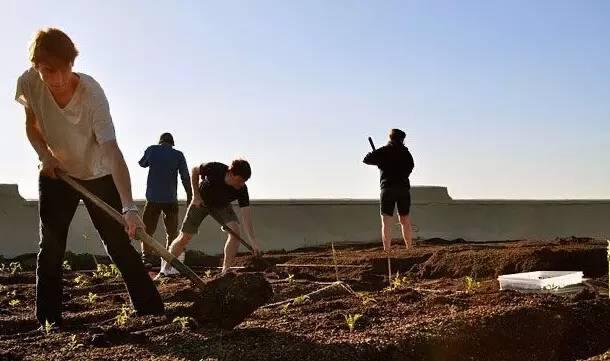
(165, 163)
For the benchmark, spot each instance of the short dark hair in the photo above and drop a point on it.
(166, 138)
(397, 135)
(53, 47)
(241, 168)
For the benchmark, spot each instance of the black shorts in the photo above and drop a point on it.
(391, 197)
(195, 215)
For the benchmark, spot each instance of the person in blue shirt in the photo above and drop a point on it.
(164, 163)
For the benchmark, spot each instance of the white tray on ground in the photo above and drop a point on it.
(540, 280)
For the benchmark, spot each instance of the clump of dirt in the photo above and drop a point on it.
(253, 263)
(228, 299)
(585, 294)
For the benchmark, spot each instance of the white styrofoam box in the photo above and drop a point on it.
(539, 280)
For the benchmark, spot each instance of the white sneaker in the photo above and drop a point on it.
(168, 270)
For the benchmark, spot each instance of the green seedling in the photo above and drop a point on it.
(114, 271)
(12, 293)
(208, 274)
(470, 284)
(366, 298)
(184, 322)
(66, 266)
(81, 280)
(91, 298)
(398, 282)
(3, 288)
(300, 300)
(14, 303)
(48, 327)
(3, 267)
(106, 271)
(351, 320)
(124, 315)
(284, 309)
(14, 267)
(290, 278)
(74, 345)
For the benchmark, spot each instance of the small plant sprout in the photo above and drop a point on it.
(184, 322)
(366, 298)
(114, 271)
(106, 271)
(351, 320)
(12, 293)
(91, 298)
(73, 345)
(124, 315)
(398, 281)
(66, 266)
(48, 326)
(14, 267)
(3, 288)
(14, 302)
(208, 273)
(290, 278)
(284, 309)
(81, 280)
(300, 300)
(3, 267)
(470, 283)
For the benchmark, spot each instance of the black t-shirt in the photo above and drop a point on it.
(395, 162)
(213, 189)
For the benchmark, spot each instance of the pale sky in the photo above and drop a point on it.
(499, 99)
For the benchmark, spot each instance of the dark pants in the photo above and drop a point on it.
(151, 214)
(57, 205)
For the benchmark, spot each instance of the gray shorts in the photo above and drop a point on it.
(195, 215)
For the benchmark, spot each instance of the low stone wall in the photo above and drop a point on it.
(290, 224)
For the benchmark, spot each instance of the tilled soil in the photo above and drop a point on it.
(428, 314)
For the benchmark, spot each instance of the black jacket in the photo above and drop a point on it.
(395, 162)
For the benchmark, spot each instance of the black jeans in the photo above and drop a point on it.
(57, 205)
(150, 216)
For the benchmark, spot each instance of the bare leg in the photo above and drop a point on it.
(386, 231)
(179, 244)
(231, 247)
(405, 226)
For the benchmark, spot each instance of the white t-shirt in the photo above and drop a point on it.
(75, 133)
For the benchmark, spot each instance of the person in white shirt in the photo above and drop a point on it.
(69, 125)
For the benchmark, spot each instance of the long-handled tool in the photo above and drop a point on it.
(227, 229)
(389, 251)
(140, 233)
(224, 301)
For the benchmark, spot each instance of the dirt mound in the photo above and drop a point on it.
(483, 263)
(229, 299)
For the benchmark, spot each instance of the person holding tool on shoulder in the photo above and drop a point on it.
(396, 164)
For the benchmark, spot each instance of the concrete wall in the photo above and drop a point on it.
(289, 224)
